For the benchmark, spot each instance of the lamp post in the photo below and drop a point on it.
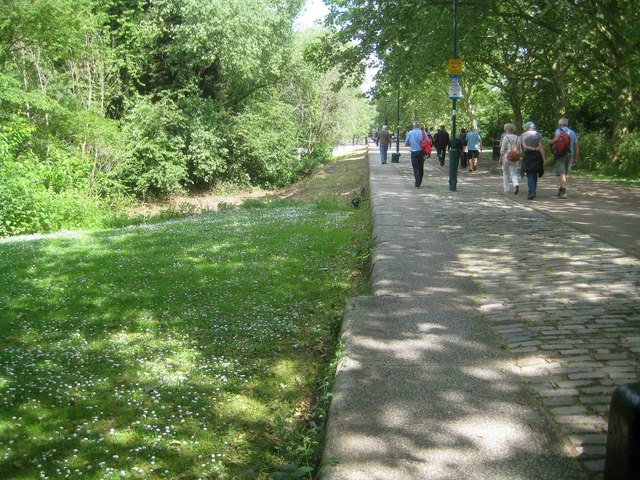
(386, 118)
(398, 130)
(453, 152)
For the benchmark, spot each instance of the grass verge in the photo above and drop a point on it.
(195, 348)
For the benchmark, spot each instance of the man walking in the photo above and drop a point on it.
(442, 143)
(566, 150)
(414, 137)
(383, 140)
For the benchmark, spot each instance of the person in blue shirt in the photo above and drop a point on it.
(474, 146)
(569, 159)
(414, 137)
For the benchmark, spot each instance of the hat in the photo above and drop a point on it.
(529, 125)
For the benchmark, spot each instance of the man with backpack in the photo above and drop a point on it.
(566, 149)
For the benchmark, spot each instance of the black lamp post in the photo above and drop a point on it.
(386, 118)
(398, 130)
(453, 152)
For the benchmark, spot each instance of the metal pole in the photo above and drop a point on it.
(398, 130)
(453, 152)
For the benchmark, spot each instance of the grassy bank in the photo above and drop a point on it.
(195, 348)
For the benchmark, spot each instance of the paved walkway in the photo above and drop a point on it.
(493, 341)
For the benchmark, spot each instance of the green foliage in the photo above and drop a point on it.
(595, 155)
(155, 139)
(207, 150)
(595, 148)
(264, 144)
(629, 156)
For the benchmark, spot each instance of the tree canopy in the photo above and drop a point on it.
(523, 59)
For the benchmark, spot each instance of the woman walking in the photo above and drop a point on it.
(510, 161)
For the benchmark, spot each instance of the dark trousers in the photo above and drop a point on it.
(532, 182)
(442, 151)
(463, 159)
(417, 162)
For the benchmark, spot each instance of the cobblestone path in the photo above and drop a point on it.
(565, 305)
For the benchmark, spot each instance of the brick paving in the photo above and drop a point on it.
(563, 303)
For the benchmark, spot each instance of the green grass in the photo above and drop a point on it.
(601, 177)
(195, 348)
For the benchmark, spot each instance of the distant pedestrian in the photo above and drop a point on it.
(383, 140)
(567, 155)
(510, 167)
(534, 157)
(474, 145)
(414, 137)
(442, 143)
(461, 143)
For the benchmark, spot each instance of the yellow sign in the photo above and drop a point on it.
(455, 66)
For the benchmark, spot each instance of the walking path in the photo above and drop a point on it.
(493, 341)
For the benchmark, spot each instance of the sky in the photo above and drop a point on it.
(313, 10)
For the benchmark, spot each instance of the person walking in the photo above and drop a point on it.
(510, 166)
(413, 139)
(442, 143)
(383, 140)
(567, 151)
(534, 157)
(474, 146)
(461, 143)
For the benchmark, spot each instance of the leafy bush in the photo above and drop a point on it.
(264, 146)
(629, 155)
(42, 195)
(595, 149)
(28, 206)
(207, 151)
(594, 152)
(155, 138)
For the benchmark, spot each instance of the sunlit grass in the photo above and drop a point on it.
(194, 348)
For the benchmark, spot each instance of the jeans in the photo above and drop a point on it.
(532, 182)
(383, 153)
(417, 162)
(442, 151)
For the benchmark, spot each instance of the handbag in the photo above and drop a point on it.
(425, 144)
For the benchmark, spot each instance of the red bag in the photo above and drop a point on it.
(425, 144)
(561, 146)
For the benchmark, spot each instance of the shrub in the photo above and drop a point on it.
(629, 156)
(595, 149)
(594, 152)
(155, 138)
(264, 146)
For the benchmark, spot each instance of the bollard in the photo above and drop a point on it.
(395, 158)
(622, 461)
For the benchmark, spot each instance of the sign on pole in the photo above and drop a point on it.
(455, 66)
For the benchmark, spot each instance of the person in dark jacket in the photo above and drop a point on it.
(442, 143)
(534, 157)
(461, 143)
